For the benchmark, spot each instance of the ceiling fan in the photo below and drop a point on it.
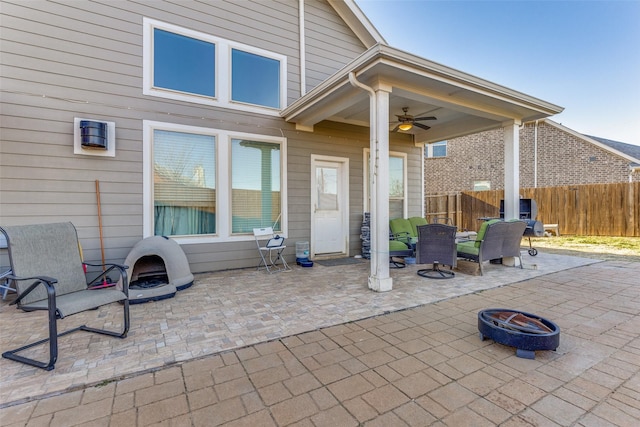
(407, 121)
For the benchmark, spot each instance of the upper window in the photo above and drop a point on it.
(204, 184)
(195, 67)
(437, 149)
(183, 64)
(255, 79)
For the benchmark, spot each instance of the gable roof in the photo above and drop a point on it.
(626, 151)
(629, 149)
(462, 103)
(353, 16)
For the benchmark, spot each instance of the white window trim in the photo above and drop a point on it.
(223, 70)
(223, 180)
(365, 180)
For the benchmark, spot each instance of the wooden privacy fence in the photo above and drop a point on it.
(585, 210)
(447, 205)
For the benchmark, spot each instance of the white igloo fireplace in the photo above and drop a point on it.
(158, 268)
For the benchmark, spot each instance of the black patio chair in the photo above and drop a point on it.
(437, 246)
(48, 274)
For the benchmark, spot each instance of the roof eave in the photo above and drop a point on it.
(353, 16)
(471, 81)
(406, 61)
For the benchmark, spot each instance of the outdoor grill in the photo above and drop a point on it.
(528, 213)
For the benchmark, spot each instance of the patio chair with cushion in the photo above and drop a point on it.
(48, 274)
(416, 221)
(406, 229)
(402, 230)
(496, 239)
(437, 246)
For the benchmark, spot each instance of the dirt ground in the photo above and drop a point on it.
(603, 248)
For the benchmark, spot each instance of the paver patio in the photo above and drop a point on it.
(315, 347)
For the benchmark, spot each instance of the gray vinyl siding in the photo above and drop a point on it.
(61, 60)
(330, 44)
(339, 140)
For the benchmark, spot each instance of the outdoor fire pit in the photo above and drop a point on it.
(525, 331)
(158, 268)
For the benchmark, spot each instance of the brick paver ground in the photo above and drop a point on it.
(416, 367)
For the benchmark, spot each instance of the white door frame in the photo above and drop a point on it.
(343, 202)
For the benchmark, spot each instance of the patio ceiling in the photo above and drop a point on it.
(462, 103)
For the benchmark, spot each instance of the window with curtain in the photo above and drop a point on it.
(255, 185)
(184, 183)
(211, 185)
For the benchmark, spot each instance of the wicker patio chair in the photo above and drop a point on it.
(496, 239)
(437, 246)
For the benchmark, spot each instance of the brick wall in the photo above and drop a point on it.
(563, 159)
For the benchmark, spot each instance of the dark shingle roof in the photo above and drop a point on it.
(628, 149)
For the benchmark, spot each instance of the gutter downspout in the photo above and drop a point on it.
(535, 155)
(379, 279)
(303, 54)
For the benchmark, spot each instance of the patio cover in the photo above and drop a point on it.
(375, 86)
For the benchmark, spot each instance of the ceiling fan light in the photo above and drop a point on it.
(405, 126)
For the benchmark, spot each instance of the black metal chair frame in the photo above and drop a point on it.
(396, 257)
(50, 284)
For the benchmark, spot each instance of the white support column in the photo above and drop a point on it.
(379, 279)
(511, 170)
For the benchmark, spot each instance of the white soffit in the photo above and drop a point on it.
(462, 102)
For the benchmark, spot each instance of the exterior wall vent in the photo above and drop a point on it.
(93, 134)
(94, 137)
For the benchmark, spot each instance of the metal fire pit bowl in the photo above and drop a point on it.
(525, 331)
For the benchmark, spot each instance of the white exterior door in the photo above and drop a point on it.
(329, 205)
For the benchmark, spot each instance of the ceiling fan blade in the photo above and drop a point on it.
(421, 126)
(425, 118)
(395, 129)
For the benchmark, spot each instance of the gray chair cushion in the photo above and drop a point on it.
(79, 301)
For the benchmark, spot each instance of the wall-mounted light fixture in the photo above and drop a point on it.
(94, 137)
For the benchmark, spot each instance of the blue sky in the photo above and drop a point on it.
(581, 55)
